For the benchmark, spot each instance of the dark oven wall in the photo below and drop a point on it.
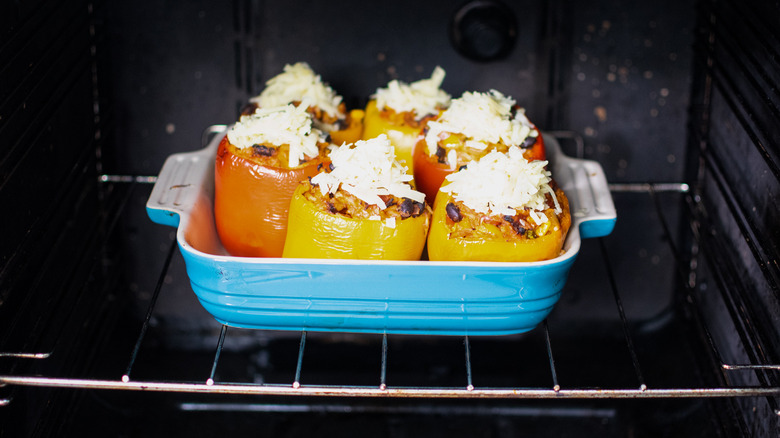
(56, 274)
(617, 76)
(735, 161)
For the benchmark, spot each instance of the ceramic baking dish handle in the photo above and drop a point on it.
(592, 208)
(180, 183)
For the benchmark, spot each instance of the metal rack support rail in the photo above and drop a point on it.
(402, 392)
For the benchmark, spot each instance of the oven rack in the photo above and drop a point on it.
(765, 373)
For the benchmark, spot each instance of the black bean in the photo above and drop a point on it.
(453, 212)
(406, 208)
(528, 142)
(409, 207)
(332, 208)
(516, 226)
(441, 154)
(419, 207)
(266, 151)
(331, 166)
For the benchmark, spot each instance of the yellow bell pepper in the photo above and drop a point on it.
(491, 244)
(352, 132)
(402, 135)
(314, 233)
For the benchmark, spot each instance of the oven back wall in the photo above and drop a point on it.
(618, 76)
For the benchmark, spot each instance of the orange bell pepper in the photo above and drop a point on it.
(314, 233)
(429, 172)
(251, 202)
(488, 243)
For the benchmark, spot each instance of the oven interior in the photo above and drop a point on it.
(670, 326)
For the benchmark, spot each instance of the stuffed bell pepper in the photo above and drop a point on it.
(501, 208)
(401, 110)
(259, 164)
(361, 206)
(473, 125)
(298, 84)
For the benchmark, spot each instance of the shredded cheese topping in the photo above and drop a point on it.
(299, 83)
(498, 184)
(423, 97)
(484, 118)
(278, 126)
(367, 169)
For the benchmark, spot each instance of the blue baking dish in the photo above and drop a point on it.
(407, 297)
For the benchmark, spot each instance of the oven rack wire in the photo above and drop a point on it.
(766, 373)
